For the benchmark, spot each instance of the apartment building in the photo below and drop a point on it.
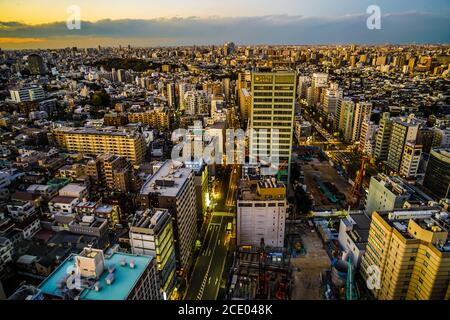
(99, 276)
(383, 137)
(411, 250)
(115, 172)
(157, 118)
(172, 187)
(245, 103)
(403, 130)
(393, 192)
(129, 144)
(151, 233)
(410, 160)
(437, 174)
(27, 94)
(363, 110)
(261, 212)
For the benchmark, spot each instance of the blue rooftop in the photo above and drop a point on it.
(125, 278)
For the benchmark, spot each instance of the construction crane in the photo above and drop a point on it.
(281, 170)
(356, 194)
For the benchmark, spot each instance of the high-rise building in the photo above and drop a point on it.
(121, 75)
(130, 145)
(362, 110)
(403, 130)
(383, 137)
(245, 103)
(346, 119)
(261, 212)
(113, 75)
(339, 116)
(386, 193)
(367, 137)
(201, 188)
(304, 83)
(36, 64)
(244, 80)
(115, 173)
(183, 88)
(410, 160)
(171, 94)
(197, 102)
(92, 275)
(318, 83)
(151, 234)
(173, 187)
(226, 83)
(331, 99)
(437, 174)
(410, 249)
(272, 117)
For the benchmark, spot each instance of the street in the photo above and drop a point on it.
(232, 186)
(208, 270)
(207, 274)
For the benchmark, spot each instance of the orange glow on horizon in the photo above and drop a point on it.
(21, 40)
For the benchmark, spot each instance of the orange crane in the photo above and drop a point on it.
(282, 170)
(356, 194)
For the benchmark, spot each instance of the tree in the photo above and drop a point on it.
(101, 99)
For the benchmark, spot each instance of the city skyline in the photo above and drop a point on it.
(24, 24)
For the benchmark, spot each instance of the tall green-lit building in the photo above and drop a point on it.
(272, 117)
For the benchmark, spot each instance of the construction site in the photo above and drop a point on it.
(328, 189)
(262, 273)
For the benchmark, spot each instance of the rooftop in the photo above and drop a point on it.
(433, 220)
(167, 180)
(125, 278)
(360, 225)
(104, 208)
(410, 121)
(150, 220)
(264, 190)
(442, 154)
(398, 187)
(63, 199)
(94, 131)
(72, 188)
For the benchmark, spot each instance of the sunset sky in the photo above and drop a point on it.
(41, 23)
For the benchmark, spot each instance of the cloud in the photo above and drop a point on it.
(10, 25)
(404, 27)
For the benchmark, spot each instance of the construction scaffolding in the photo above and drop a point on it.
(261, 273)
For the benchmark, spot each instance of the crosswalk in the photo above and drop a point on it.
(224, 214)
(208, 252)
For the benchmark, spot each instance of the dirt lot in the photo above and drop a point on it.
(307, 280)
(328, 174)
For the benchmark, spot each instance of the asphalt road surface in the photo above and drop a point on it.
(207, 274)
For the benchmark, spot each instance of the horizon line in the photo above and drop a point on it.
(239, 45)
